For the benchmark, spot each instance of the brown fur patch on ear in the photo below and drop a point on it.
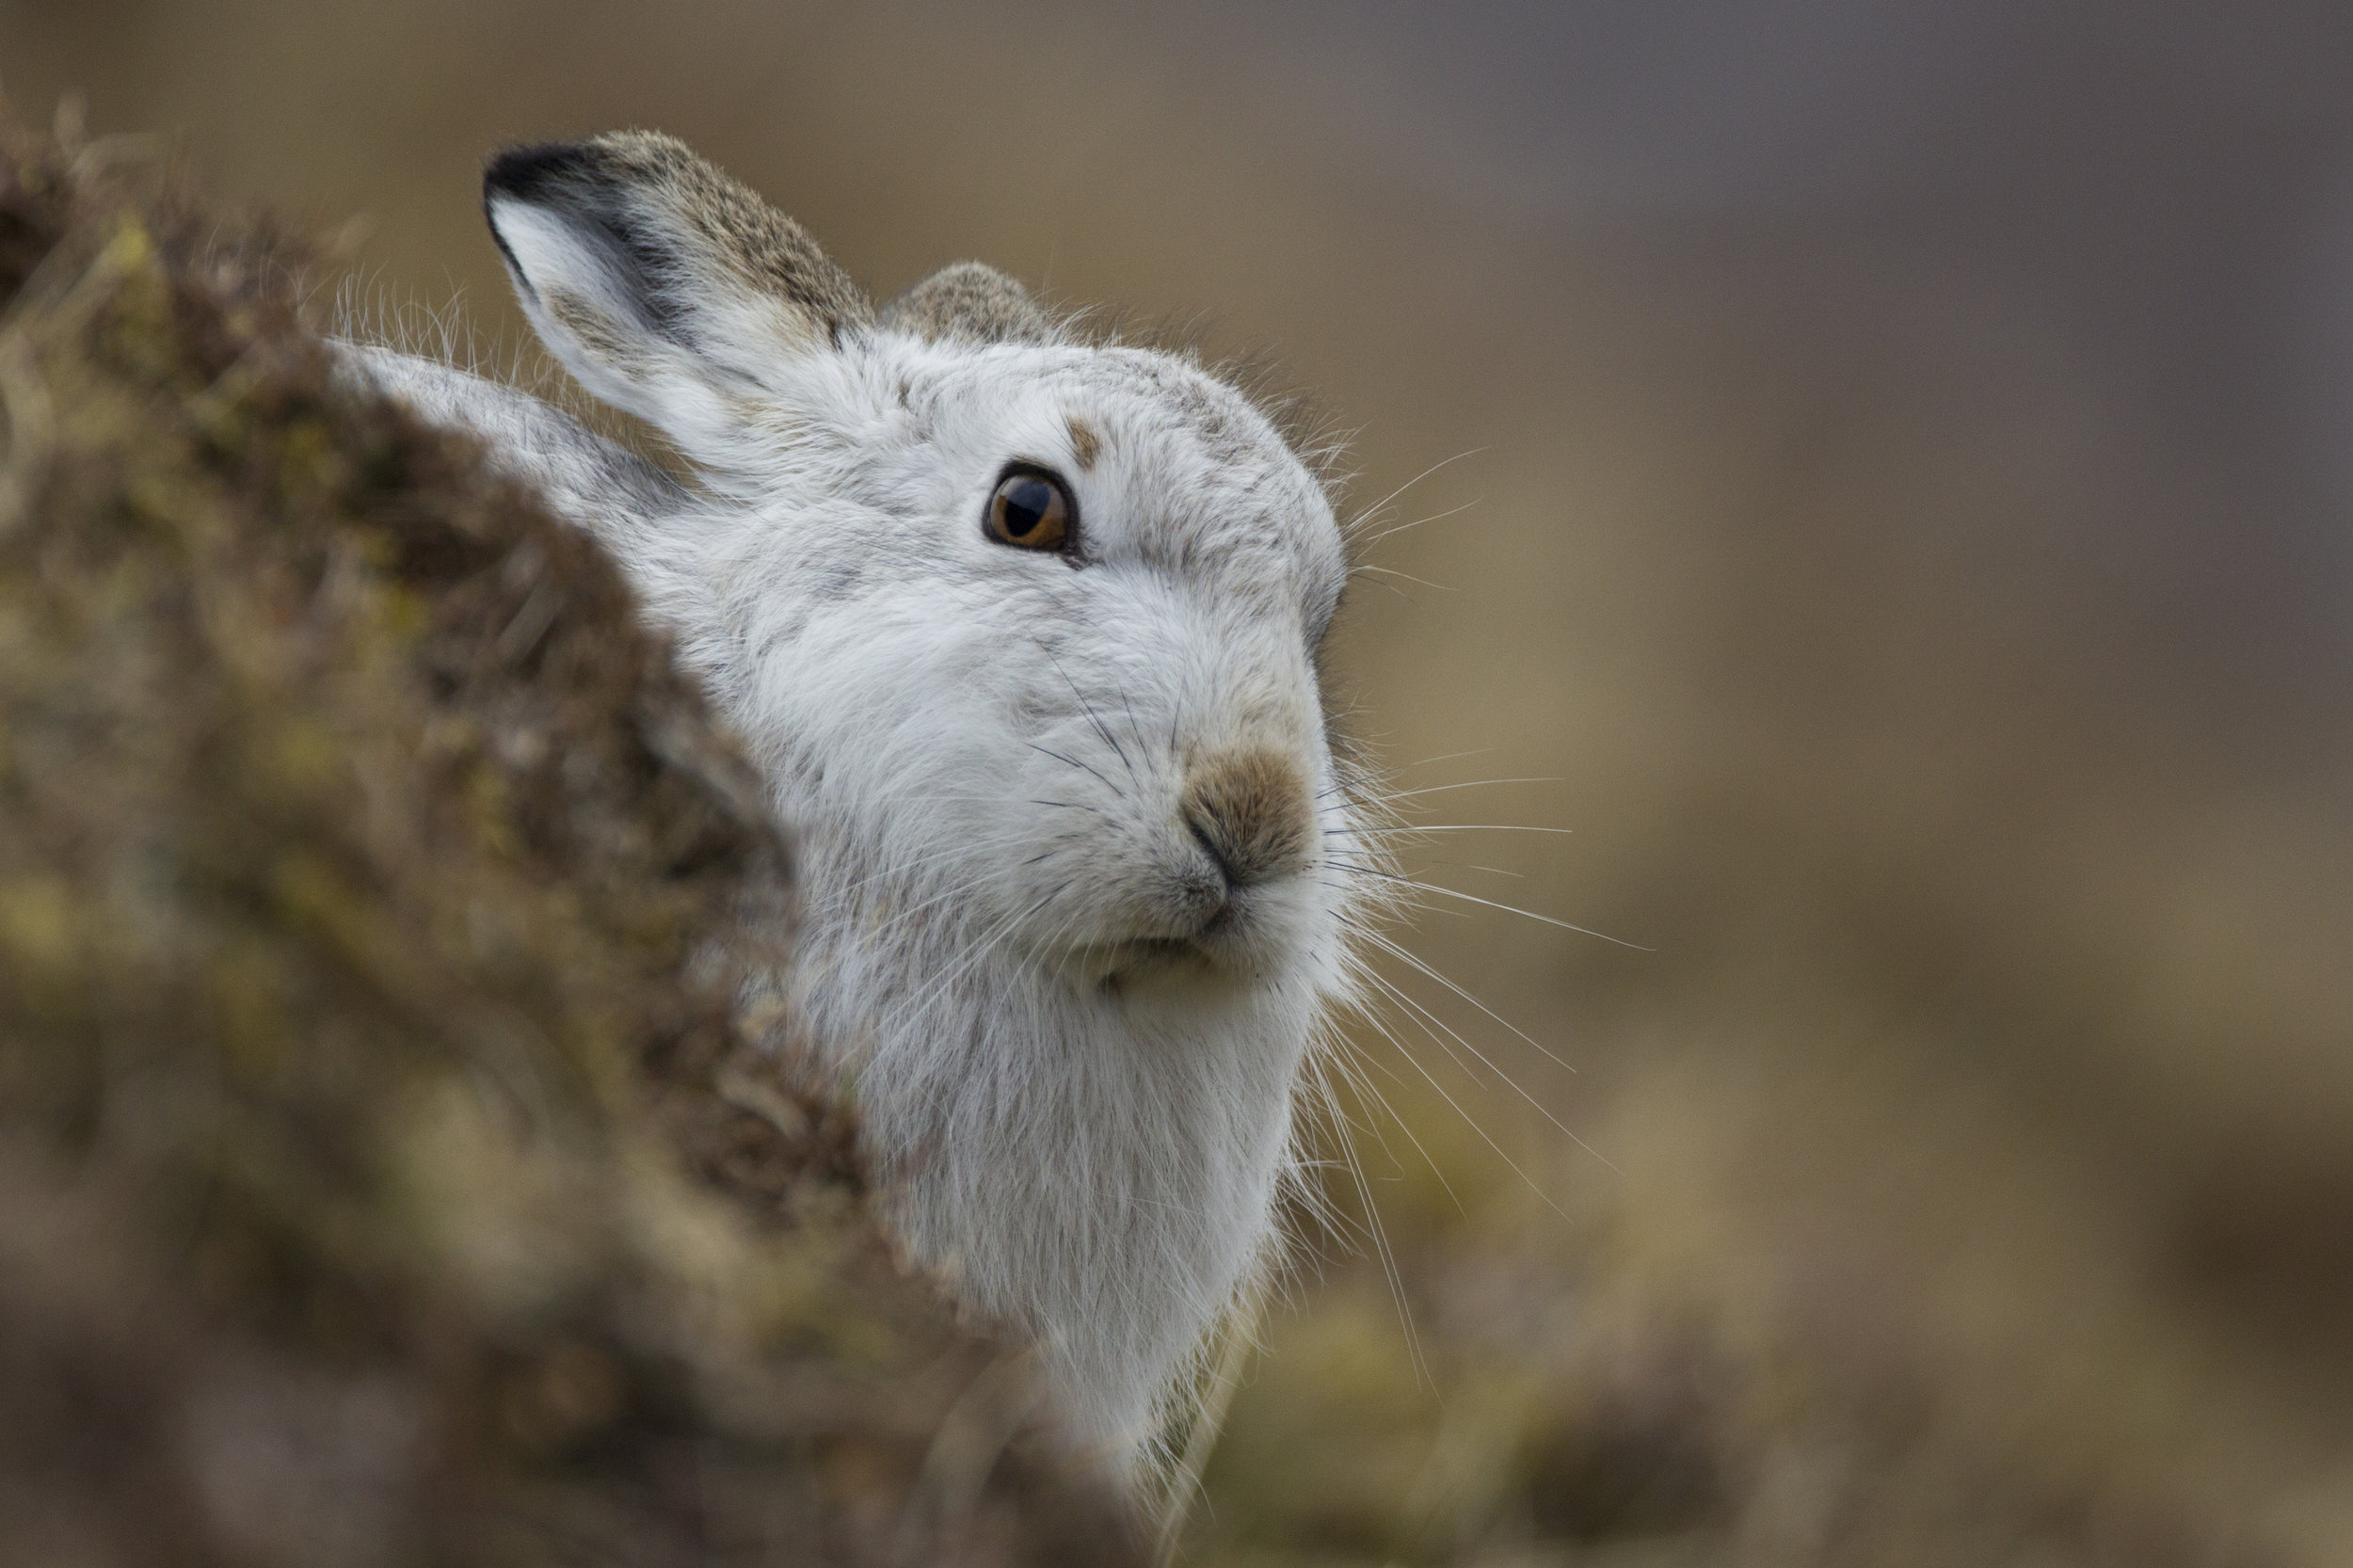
(1085, 445)
(971, 302)
(1251, 808)
(740, 232)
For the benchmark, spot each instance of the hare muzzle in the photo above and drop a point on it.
(1250, 811)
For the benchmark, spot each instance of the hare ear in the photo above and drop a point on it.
(970, 303)
(667, 288)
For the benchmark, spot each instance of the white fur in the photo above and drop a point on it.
(983, 751)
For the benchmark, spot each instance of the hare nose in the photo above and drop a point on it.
(1250, 811)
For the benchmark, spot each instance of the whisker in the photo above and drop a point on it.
(1451, 827)
(1434, 517)
(958, 852)
(1367, 515)
(1397, 950)
(1135, 729)
(1333, 859)
(1427, 1021)
(1509, 910)
(1386, 1254)
(1445, 756)
(1473, 784)
(1392, 571)
(1074, 763)
(980, 949)
(1415, 1063)
(1511, 1083)
(1365, 1086)
(1092, 717)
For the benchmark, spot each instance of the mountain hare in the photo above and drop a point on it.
(1022, 631)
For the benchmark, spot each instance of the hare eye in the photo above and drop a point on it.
(1031, 508)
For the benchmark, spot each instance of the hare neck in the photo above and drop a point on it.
(1096, 1170)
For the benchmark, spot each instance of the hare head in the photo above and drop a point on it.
(1022, 630)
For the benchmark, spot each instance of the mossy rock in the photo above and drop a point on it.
(385, 1176)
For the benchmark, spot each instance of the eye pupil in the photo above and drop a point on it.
(1026, 501)
(1033, 510)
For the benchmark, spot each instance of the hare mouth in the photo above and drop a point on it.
(1228, 947)
(1119, 965)
(1215, 957)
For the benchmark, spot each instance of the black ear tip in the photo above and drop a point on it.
(532, 171)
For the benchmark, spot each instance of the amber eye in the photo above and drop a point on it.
(1031, 508)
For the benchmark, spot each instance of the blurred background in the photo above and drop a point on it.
(1887, 472)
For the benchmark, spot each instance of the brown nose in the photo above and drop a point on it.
(1250, 810)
